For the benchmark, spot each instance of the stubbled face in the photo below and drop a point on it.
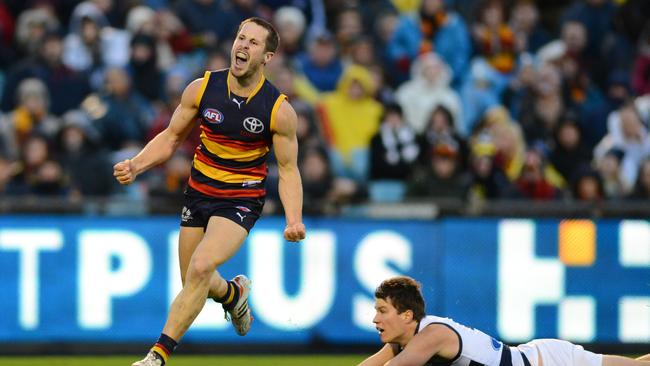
(391, 325)
(248, 51)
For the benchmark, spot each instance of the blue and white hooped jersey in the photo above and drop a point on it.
(476, 347)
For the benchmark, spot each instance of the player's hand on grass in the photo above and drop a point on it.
(123, 172)
(294, 232)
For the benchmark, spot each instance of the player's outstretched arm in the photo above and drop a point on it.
(435, 339)
(380, 358)
(613, 360)
(161, 147)
(644, 358)
(285, 146)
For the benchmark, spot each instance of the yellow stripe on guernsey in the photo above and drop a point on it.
(257, 87)
(232, 153)
(204, 85)
(222, 175)
(274, 111)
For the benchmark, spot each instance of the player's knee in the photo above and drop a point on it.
(201, 269)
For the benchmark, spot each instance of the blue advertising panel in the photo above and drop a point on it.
(113, 279)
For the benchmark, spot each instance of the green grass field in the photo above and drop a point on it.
(182, 360)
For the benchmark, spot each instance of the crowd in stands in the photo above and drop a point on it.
(397, 100)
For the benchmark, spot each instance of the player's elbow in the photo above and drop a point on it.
(286, 165)
(170, 142)
(288, 172)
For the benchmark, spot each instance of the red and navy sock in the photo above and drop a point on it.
(164, 347)
(230, 298)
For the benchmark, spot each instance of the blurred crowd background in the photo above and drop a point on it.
(398, 101)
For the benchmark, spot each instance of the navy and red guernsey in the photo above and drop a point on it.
(236, 137)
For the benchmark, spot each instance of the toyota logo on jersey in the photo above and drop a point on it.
(213, 115)
(253, 125)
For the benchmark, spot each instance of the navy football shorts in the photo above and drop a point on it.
(198, 208)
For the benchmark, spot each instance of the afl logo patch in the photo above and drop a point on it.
(213, 116)
(253, 125)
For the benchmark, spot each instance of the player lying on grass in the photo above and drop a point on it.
(413, 338)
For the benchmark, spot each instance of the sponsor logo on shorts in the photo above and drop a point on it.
(186, 214)
(242, 208)
(213, 115)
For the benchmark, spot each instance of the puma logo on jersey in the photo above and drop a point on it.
(238, 102)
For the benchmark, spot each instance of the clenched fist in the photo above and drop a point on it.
(294, 232)
(123, 172)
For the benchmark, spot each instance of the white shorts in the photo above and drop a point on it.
(555, 352)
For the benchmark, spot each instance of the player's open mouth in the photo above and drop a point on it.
(241, 58)
(380, 330)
